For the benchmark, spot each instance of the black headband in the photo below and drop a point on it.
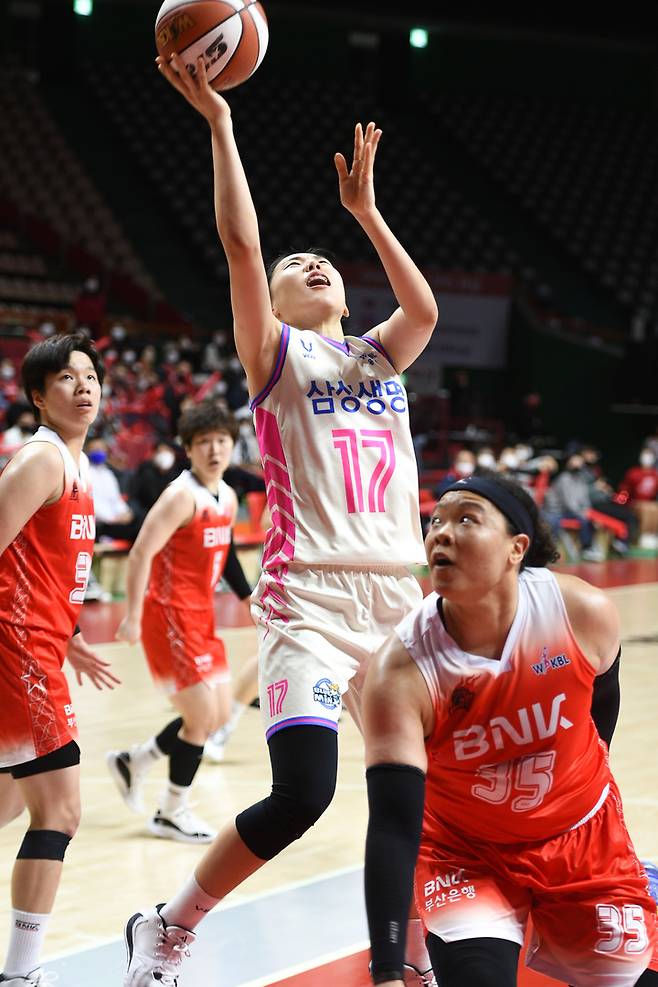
(505, 501)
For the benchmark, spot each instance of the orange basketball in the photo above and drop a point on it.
(230, 34)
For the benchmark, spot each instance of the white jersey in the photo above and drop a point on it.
(333, 430)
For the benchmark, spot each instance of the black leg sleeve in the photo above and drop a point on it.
(396, 796)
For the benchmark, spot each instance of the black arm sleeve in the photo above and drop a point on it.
(76, 630)
(234, 574)
(396, 795)
(605, 701)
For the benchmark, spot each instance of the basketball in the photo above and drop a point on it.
(231, 35)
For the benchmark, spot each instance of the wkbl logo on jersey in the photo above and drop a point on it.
(326, 693)
(83, 526)
(308, 350)
(546, 664)
(530, 727)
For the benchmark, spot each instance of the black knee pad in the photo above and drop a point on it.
(476, 962)
(304, 762)
(43, 844)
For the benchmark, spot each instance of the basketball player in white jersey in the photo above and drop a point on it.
(46, 544)
(332, 424)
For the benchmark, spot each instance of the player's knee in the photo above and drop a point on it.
(276, 822)
(44, 844)
(63, 817)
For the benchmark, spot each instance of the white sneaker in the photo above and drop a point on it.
(127, 778)
(414, 978)
(155, 950)
(181, 825)
(37, 978)
(593, 555)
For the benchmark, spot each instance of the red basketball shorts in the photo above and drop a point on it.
(181, 647)
(37, 715)
(594, 922)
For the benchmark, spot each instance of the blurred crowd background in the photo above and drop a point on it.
(519, 165)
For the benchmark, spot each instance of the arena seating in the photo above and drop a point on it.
(585, 174)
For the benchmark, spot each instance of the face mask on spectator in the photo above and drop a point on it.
(164, 459)
(129, 356)
(8, 373)
(486, 460)
(173, 356)
(464, 467)
(510, 460)
(647, 459)
(26, 428)
(97, 457)
(118, 333)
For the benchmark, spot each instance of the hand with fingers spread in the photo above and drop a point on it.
(357, 190)
(84, 660)
(195, 88)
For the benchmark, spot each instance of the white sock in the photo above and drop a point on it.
(174, 797)
(237, 709)
(27, 932)
(143, 756)
(189, 906)
(417, 954)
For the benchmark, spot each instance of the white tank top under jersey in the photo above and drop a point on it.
(540, 624)
(333, 430)
(202, 495)
(72, 470)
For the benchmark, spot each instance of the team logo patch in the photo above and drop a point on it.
(308, 350)
(546, 664)
(462, 697)
(367, 358)
(326, 693)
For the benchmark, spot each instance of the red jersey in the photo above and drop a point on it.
(641, 483)
(514, 754)
(185, 571)
(43, 579)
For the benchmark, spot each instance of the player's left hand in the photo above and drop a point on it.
(85, 661)
(356, 185)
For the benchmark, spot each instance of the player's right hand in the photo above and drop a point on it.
(195, 88)
(129, 630)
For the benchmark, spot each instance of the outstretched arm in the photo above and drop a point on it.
(257, 332)
(406, 333)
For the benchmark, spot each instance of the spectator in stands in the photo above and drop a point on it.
(114, 518)
(246, 451)
(486, 459)
(9, 386)
(21, 424)
(602, 495)
(216, 352)
(236, 381)
(154, 474)
(568, 497)
(640, 486)
(508, 462)
(463, 465)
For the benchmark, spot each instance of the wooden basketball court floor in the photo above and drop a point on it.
(300, 920)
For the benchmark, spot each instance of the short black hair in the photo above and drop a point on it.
(318, 251)
(542, 548)
(51, 356)
(207, 416)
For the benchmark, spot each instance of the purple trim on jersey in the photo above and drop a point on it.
(301, 721)
(378, 346)
(344, 347)
(278, 367)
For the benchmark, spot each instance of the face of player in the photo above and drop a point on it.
(307, 291)
(70, 399)
(469, 549)
(210, 453)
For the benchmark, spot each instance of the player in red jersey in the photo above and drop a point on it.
(490, 705)
(46, 544)
(173, 568)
